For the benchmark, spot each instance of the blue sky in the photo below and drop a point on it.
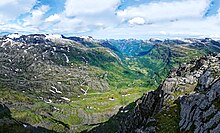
(113, 18)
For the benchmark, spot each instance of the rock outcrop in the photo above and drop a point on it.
(194, 88)
(200, 111)
(142, 117)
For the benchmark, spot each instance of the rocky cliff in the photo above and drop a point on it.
(187, 101)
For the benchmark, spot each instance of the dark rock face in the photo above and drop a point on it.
(4, 111)
(195, 87)
(198, 114)
(141, 120)
(199, 110)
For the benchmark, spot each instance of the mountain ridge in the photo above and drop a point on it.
(57, 82)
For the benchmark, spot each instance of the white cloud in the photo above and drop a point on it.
(84, 16)
(11, 9)
(69, 25)
(161, 11)
(163, 32)
(101, 19)
(137, 21)
(6, 2)
(174, 19)
(184, 28)
(53, 18)
(36, 16)
(81, 7)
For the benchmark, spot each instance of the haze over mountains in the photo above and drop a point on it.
(55, 83)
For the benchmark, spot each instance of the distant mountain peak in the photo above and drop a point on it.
(14, 35)
(53, 36)
(87, 38)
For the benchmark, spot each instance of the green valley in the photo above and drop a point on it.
(72, 84)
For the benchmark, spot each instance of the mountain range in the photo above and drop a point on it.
(53, 83)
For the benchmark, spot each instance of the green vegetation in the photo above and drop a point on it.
(216, 74)
(217, 103)
(95, 107)
(113, 77)
(168, 120)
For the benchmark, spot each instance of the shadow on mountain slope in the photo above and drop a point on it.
(10, 125)
(113, 124)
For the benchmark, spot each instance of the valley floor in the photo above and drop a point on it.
(83, 112)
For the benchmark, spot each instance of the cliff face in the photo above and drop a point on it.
(200, 111)
(187, 101)
(141, 119)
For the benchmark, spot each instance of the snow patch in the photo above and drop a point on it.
(111, 99)
(56, 91)
(56, 108)
(67, 59)
(87, 38)
(53, 36)
(24, 125)
(14, 36)
(112, 54)
(187, 41)
(54, 49)
(52, 91)
(66, 99)
(6, 41)
(49, 101)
